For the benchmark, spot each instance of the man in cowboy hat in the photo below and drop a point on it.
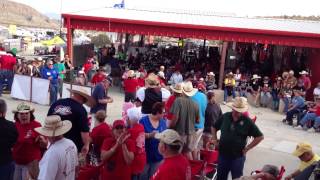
(235, 129)
(151, 94)
(8, 137)
(307, 157)
(100, 95)
(229, 86)
(184, 115)
(210, 81)
(72, 109)
(61, 159)
(305, 79)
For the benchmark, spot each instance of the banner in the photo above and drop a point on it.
(21, 89)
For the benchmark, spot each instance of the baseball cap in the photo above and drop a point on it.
(118, 123)
(302, 148)
(170, 137)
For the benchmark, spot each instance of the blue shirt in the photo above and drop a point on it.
(47, 72)
(201, 100)
(151, 144)
(298, 102)
(99, 92)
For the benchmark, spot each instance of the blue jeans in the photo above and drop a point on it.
(226, 93)
(227, 164)
(7, 171)
(53, 93)
(6, 74)
(21, 172)
(149, 170)
(311, 117)
(275, 104)
(286, 101)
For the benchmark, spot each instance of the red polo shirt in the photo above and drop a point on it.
(7, 62)
(97, 78)
(138, 136)
(116, 167)
(130, 85)
(176, 167)
(141, 82)
(26, 149)
(99, 134)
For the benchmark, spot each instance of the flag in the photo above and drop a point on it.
(120, 6)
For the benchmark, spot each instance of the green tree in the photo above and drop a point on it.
(100, 40)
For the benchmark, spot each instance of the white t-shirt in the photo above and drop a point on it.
(316, 91)
(59, 162)
(176, 78)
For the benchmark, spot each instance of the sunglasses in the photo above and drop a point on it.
(119, 127)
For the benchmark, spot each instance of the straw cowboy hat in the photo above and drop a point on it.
(177, 88)
(23, 108)
(291, 72)
(303, 72)
(152, 80)
(302, 148)
(82, 92)
(54, 126)
(239, 104)
(131, 73)
(187, 89)
(229, 74)
(255, 76)
(211, 74)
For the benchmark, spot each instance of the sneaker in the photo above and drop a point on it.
(311, 130)
(298, 127)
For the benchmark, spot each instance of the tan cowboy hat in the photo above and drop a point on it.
(211, 74)
(187, 89)
(230, 74)
(303, 72)
(23, 108)
(255, 76)
(239, 104)
(131, 73)
(177, 88)
(54, 126)
(82, 92)
(152, 80)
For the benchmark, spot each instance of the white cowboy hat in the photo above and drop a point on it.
(54, 126)
(187, 89)
(39, 59)
(177, 88)
(239, 104)
(211, 74)
(255, 76)
(131, 73)
(82, 92)
(303, 72)
(152, 81)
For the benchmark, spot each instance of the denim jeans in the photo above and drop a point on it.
(233, 165)
(291, 113)
(21, 172)
(60, 87)
(275, 104)
(53, 93)
(226, 93)
(311, 117)
(149, 170)
(6, 74)
(286, 101)
(7, 171)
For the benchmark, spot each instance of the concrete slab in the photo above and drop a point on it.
(285, 146)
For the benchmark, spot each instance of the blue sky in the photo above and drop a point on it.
(238, 7)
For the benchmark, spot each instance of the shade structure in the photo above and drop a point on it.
(54, 41)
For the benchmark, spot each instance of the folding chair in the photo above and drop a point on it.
(210, 157)
(197, 169)
(279, 177)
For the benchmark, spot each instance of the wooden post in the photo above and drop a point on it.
(222, 63)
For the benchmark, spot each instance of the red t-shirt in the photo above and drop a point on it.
(130, 85)
(318, 111)
(7, 62)
(176, 167)
(87, 66)
(116, 167)
(168, 105)
(141, 82)
(26, 148)
(99, 134)
(97, 78)
(306, 82)
(138, 136)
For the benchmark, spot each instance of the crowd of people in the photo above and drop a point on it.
(168, 116)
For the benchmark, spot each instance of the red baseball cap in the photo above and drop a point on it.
(118, 123)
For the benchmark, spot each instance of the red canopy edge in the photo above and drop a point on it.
(193, 31)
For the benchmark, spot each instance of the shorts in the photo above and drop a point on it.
(192, 140)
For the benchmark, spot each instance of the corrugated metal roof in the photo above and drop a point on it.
(205, 19)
